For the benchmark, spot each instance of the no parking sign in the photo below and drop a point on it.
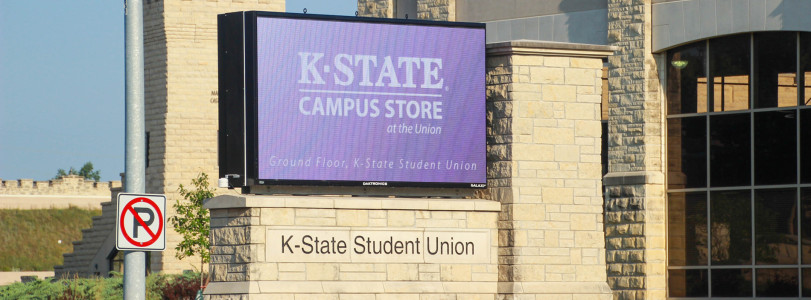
(140, 223)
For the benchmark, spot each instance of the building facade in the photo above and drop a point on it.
(180, 62)
(637, 149)
(706, 144)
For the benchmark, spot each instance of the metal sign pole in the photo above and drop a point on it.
(135, 165)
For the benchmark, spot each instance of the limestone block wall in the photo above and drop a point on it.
(544, 143)
(437, 10)
(243, 266)
(70, 185)
(376, 8)
(70, 190)
(635, 200)
(180, 44)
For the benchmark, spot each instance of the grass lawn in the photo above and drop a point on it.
(29, 239)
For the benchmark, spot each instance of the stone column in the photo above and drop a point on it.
(544, 167)
(376, 8)
(436, 10)
(635, 200)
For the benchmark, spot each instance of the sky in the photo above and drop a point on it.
(62, 84)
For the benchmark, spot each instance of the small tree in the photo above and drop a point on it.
(86, 171)
(192, 221)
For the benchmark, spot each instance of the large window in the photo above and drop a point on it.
(739, 166)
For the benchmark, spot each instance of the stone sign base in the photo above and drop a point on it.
(356, 247)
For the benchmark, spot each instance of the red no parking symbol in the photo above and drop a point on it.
(140, 222)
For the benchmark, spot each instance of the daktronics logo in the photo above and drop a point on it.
(367, 103)
(375, 183)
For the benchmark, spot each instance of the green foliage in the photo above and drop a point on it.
(93, 288)
(158, 286)
(192, 220)
(29, 239)
(38, 289)
(86, 171)
(180, 287)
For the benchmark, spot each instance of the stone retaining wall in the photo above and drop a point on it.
(70, 185)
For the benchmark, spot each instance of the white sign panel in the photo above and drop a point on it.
(140, 222)
(374, 245)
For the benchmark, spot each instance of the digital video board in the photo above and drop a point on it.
(352, 101)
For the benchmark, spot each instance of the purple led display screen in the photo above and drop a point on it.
(370, 102)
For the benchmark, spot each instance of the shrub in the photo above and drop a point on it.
(182, 287)
(192, 221)
(37, 289)
(158, 286)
